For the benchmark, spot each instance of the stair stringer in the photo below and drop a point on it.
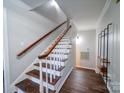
(68, 69)
(64, 74)
(63, 79)
(23, 75)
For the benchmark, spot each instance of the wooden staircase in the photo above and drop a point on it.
(54, 70)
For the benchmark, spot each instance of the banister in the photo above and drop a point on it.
(54, 45)
(38, 40)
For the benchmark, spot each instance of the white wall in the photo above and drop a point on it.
(87, 44)
(113, 16)
(23, 28)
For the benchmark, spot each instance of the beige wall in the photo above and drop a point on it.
(78, 59)
(87, 45)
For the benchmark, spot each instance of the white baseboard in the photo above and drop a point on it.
(86, 68)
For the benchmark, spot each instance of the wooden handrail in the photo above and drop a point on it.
(38, 40)
(54, 44)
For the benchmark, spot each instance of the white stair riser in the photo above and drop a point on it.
(54, 62)
(63, 46)
(66, 38)
(51, 71)
(66, 43)
(59, 56)
(60, 53)
(57, 59)
(62, 50)
(64, 53)
(59, 47)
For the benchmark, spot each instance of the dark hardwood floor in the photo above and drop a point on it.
(84, 81)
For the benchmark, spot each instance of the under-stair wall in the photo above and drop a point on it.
(36, 81)
(23, 28)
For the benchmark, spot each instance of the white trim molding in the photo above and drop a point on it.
(86, 68)
(107, 4)
(6, 54)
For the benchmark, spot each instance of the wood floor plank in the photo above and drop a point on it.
(84, 81)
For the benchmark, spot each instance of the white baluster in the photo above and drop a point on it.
(57, 66)
(46, 77)
(54, 69)
(41, 77)
(60, 51)
(50, 72)
(59, 61)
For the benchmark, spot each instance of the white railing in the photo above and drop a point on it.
(41, 77)
(55, 55)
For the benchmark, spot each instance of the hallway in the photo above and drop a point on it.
(84, 81)
(56, 46)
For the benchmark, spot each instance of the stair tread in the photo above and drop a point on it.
(35, 73)
(29, 86)
(48, 66)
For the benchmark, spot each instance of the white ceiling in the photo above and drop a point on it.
(84, 13)
(47, 8)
